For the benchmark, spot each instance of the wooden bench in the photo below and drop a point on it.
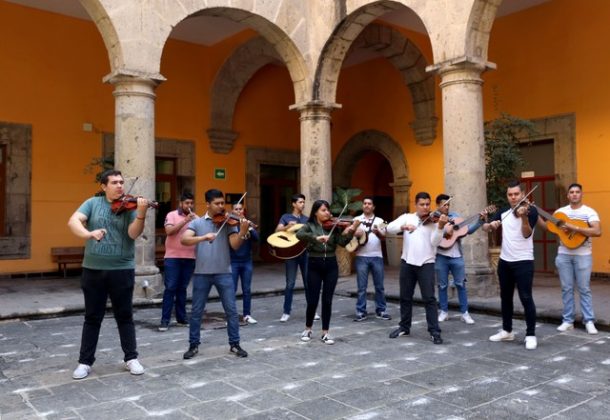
(67, 255)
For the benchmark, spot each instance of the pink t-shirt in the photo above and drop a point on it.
(173, 247)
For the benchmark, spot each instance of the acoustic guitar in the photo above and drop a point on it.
(458, 228)
(555, 222)
(357, 243)
(285, 244)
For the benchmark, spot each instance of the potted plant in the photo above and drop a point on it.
(503, 159)
(341, 198)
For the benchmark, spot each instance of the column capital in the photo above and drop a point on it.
(463, 69)
(315, 109)
(134, 83)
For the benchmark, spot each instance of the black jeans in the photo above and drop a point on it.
(520, 273)
(424, 276)
(97, 286)
(322, 273)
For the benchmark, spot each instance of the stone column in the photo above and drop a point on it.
(134, 156)
(316, 160)
(464, 160)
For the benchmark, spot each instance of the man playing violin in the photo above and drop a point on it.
(420, 240)
(213, 268)
(451, 260)
(574, 265)
(516, 265)
(369, 259)
(179, 262)
(108, 269)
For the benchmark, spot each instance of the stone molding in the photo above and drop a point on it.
(221, 140)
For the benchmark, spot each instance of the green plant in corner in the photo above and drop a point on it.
(99, 165)
(343, 196)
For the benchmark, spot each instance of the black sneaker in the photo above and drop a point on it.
(399, 332)
(238, 351)
(436, 339)
(191, 352)
(182, 323)
(360, 317)
(164, 326)
(383, 315)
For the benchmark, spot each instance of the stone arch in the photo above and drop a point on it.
(136, 50)
(359, 15)
(480, 21)
(228, 84)
(411, 63)
(382, 143)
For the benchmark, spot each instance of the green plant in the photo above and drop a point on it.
(343, 196)
(503, 156)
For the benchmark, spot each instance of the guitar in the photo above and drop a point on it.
(555, 222)
(357, 243)
(285, 244)
(458, 228)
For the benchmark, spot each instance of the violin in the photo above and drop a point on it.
(231, 219)
(341, 223)
(128, 202)
(526, 204)
(433, 218)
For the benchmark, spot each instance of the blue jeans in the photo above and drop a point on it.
(291, 277)
(443, 266)
(178, 272)
(575, 269)
(243, 269)
(202, 284)
(374, 265)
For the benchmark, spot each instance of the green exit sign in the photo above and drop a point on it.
(220, 173)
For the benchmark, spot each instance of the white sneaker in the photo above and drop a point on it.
(306, 335)
(81, 371)
(531, 342)
(250, 320)
(327, 340)
(134, 367)
(590, 326)
(565, 326)
(284, 318)
(502, 336)
(443, 316)
(467, 318)
(316, 317)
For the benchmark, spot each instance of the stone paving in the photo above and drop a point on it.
(365, 375)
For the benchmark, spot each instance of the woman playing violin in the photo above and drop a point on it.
(108, 268)
(322, 270)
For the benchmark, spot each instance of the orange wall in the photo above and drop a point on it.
(553, 59)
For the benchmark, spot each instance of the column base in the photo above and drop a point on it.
(481, 281)
(148, 283)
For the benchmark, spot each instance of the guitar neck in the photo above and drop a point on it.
(547, 215)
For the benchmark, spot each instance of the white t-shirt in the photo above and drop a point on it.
(514, 246)
(586, 214)
(372, 248)
(419, 247)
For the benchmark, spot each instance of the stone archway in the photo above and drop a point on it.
(230, 80)
(411, 63)
(374, 140)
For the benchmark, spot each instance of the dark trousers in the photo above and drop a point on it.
(97, 286)
(322, 273)
(424, 276)
(521, 274)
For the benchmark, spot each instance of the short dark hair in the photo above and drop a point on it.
(315, 207)
(422, 196)
(108, 173)
(514, 183)
(368, 197)
(442, 197)
(211, 195)
(574, 184)
(296, 197)
(187, 195)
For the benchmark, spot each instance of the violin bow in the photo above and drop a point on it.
(227, 219)
(520, 202)
(421, 222)
(337, 222)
